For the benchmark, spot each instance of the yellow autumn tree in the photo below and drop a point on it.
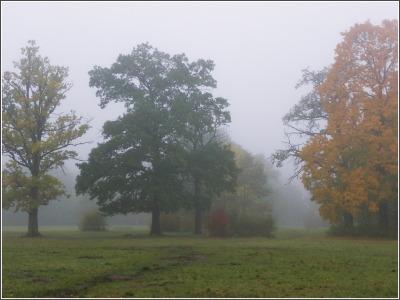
(351, 166)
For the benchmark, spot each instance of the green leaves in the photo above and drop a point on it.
(18, 185)
(137, 165)
(35, 139)
(168, 135)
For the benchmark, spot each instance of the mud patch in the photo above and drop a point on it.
(116, 277)
(186, 255)
(40, 280)
(186, 258)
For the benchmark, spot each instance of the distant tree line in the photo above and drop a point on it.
(167, 153)
(245, 210)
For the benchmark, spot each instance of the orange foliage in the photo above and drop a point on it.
(354, 162)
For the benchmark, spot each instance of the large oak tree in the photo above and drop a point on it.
(143, 164)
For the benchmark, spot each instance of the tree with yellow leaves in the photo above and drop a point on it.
(35, 138)
(351, 166)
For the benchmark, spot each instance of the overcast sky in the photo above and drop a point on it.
(259, 49)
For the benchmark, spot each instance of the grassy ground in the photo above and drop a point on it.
(117, 263)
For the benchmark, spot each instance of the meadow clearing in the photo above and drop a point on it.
(126, 262)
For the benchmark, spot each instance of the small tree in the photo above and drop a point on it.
(34, 138)
(247, 206)
(211, 166)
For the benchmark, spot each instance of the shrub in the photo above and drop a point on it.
(169, 222)
(180, 221)
(252, 225)
(218, 223)
(186, 221)
(92, 221)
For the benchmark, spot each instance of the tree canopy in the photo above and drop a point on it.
(347, 158)
(353, 164)
(143, 163)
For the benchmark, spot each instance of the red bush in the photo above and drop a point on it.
(218, 223)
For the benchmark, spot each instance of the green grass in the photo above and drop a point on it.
(117, 263)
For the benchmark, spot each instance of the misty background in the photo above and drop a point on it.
(259, 50)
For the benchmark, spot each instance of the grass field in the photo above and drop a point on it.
(117, 263)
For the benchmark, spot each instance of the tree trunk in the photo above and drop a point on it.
(348, 220)
(383, 216)
(155, 221)
(198, 220)
(198, 224)
(33, 226)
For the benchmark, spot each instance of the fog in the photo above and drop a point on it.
(259, 50)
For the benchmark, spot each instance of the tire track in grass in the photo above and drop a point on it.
(175, 257)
